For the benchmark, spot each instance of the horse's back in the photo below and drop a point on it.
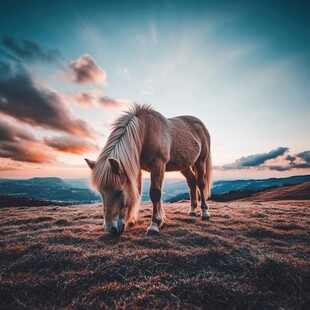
(197, 127)
(188, 139)
(187, 128)
(178, 140)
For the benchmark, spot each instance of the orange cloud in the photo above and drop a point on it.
(20, 145)
(7, 168)
(70, 145)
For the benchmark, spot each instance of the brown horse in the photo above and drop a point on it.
(144, 139)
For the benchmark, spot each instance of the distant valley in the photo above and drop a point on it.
(77, 191)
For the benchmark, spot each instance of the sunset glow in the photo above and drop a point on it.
(69, 69)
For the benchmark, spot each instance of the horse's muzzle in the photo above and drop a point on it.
(117, 227)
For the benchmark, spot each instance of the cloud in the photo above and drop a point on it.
(8, 165)
(70, 145)
(255, 160)
(124, 73)
(89, 98)
(97, 98)
(7, 168)
(298, 161)
(110, 103)
(273, 160)
(20, 145)
(305, 156)
(290, 158)
(147, 87)
(32, 151)
(9, 132)
(29, 50)
(85, 70)
(31, 103)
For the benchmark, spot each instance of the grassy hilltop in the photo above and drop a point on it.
(251, 255)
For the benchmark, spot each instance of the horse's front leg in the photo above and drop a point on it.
(134, 209)
(158, 217)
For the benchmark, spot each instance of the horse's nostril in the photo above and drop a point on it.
(123, 228)
(114, 230)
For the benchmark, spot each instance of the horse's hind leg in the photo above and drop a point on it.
(158, 217)
(201, 170)
(192, 184)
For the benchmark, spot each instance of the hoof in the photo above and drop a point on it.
(132, 224)
(205, 217)
(152, 231)
(114, 232)
(192, 213)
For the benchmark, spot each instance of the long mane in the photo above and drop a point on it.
(124, 144)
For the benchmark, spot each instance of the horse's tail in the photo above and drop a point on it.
(207, 176)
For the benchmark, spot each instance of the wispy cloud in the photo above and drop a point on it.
(147, 87)
(29, 50)
(70, 145)
(7, 168)
(110, 103)
(124, 73)
(97, 98)
(29, 102)
(154, 35)
(87, 98)
(10, 165)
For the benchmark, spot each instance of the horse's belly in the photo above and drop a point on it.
(183, 155)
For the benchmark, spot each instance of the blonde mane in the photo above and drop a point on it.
(124, 144)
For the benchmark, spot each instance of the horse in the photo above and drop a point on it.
(143, 139)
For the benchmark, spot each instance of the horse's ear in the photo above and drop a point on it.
(90, 163)
(116, 165)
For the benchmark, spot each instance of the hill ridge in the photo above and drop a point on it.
(291, 192)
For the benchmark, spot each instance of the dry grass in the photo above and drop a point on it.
(250, 256)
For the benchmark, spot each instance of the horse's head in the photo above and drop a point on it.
(117, 196)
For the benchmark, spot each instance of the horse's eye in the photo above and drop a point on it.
(118, 193)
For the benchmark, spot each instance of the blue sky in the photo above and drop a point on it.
(240, 66)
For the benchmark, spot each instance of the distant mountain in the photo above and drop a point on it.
(77, 191)
(74, 191)
(78, 183)
(236, 189)
(221, 187)
(172, 188)
(50, 189)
